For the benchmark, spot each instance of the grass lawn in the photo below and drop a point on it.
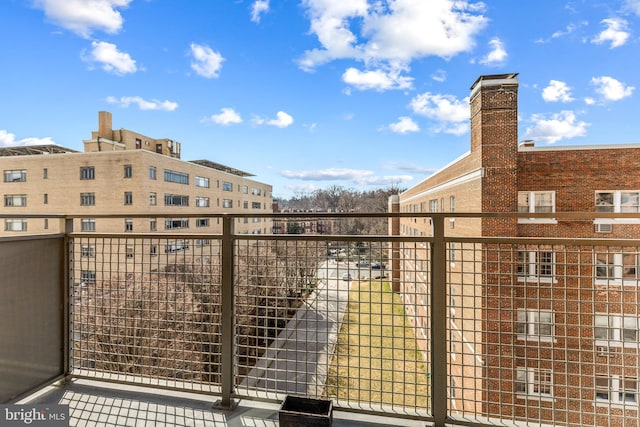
(375, 359)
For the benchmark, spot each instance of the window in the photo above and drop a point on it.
(536, 265)
(202, 242)
(45, 173)
(152, 172)
(227, 186)
(46, 223)
(46, 198)
(617, 267)
(15, 225)
(537, 202)
(452, 204)
(617, 201)
(138, 143)
(178, 245)
(255, 205)
(177, 177)
(87, 199)
(256, 192)
(130, 251)
(152, 199)
(245, 204)
(128, 225)
(128, 198)
(202, 222)
(88, 224)
(88, 251)
(153, 225)
(15, 200)
(535, 324)
(153, 250)
(452, 254)
(87, 172)
(128, 171)
(15, 175)
(534, 382)
(202, 182)
(616, 330)
(227, 203)
(174, 223)
(202, 202)
(88, 276)
(433, 205)
(616, 390)
(245, 189)
(176, 200)
(159, 148)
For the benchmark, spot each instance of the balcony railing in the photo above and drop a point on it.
(440, 323)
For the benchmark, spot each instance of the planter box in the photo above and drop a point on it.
(302, 412)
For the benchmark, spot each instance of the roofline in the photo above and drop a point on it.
(579, 147)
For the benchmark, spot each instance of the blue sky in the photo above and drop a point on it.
(308, 94)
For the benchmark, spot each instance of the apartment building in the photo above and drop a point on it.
(123, 173)
(546, 331)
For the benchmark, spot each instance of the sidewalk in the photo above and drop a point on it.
(298, 360)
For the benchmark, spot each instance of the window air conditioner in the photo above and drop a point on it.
(604, 228)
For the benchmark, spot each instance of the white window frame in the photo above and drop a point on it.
(532, 266)
(614, 391)
(615, 326)
(15, 224)
(87, 224)
(530, 321)
(615, 204)
(528, 386)
(88, 251)
(15, 200)
(227, 203)
(532, 206)
(618, 268)
(202, 202)
(227, 186)
(15, 175)
(202, 182)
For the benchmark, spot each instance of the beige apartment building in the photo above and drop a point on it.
(123, 173)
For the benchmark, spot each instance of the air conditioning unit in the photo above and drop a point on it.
(604, 228)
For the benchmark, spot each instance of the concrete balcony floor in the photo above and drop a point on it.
(96, 403)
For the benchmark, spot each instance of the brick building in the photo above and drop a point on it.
(547, 331)
(121, 173)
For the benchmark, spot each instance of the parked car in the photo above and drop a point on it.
(346, 277)
(362, 264)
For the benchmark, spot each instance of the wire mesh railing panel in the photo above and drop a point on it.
(544, 334)
(146, 310)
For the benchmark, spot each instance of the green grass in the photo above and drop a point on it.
(376, 359)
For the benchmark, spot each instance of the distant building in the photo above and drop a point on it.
(544, 332)
(125, 173)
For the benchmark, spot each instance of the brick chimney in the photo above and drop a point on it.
(494, 134)
(105, 125)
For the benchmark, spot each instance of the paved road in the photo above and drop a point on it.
(298, 359)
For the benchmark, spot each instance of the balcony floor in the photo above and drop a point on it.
(95, 403)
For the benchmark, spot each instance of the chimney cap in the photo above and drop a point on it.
(527, 143)
(495, 79)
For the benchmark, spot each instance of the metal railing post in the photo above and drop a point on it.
(227, 321)
(438, 323)
(66, 292)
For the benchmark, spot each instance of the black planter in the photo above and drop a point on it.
(303, 411)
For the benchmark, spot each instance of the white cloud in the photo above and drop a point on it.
(450, 114)
(611, 89)
(616, 33)
(589, 101)
(227, 116)
(206, 62)
(441, 28)
(83, 17)
(377, 79)
(282, 120)
(557, 91)
(498, 54)
(112, 60)
(439, 76)
(143, 104)
(259, 8)
(403, 125)
(357, 176)
(9, 140)
(559, 126)
(634, 6)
